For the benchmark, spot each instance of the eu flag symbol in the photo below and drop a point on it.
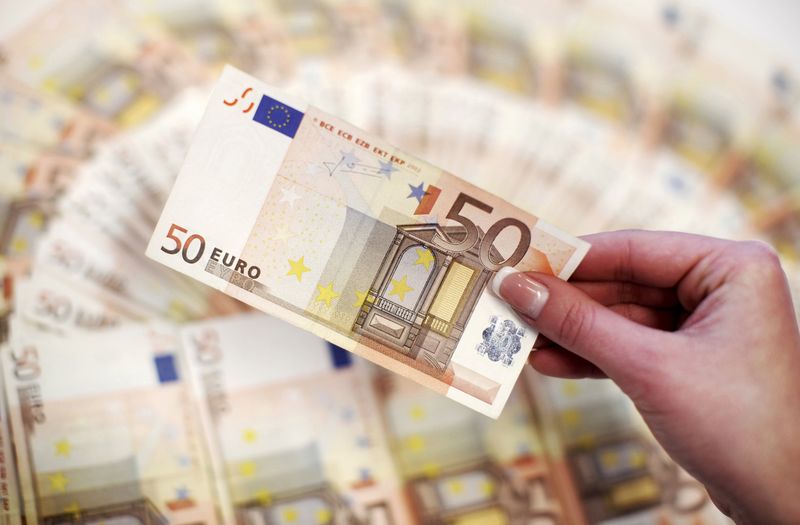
(278, 116)
(340, 357)
(166, 369)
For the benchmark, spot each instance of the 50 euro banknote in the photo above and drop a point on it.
(321, 224)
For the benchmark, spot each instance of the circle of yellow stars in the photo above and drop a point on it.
(287, 115)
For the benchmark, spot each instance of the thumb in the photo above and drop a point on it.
(564, 314)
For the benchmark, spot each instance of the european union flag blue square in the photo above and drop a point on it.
(165, 366)
(278, 116)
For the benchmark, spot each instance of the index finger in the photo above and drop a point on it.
(659, 259)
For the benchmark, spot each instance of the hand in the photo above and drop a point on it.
(702, 335)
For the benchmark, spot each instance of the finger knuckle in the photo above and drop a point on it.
(577, 322)
(759, 257)
(759, 250)
(624, 269)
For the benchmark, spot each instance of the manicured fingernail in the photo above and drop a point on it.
(499, 277)
(521, 291)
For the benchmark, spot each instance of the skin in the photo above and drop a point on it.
(702, 335)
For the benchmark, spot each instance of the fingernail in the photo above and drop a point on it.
(520, 291)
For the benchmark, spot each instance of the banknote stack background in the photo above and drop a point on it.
(135, 395)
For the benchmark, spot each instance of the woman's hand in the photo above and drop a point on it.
(702, 335)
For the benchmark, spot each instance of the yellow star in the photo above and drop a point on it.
(609, 459)
(570, 388)
(638, 459)
(290, 514)
(323, 516)
(571, 417)
(247, 469)
(456, 486)
(360, 297)
(249, 435)
(177, 310)
(400, 288)
(36, 219)
(298, 268)
(415, 443)
(282, 233)
(264, 496)
(431, 470)
(58, 482)
(74, 509)
(417, 413)
(50, 85)
(63, 448)
(424, 257)
(487, 487)
(19, 244)
(326, 293)
(75, 92)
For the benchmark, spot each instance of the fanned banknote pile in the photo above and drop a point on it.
(135, 394)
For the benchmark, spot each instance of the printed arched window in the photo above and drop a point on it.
(410, 277)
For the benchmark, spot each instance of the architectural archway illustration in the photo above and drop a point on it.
(423, 295)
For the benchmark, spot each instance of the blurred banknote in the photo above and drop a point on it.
(310, 219)
(264, 390)
(116, 435)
